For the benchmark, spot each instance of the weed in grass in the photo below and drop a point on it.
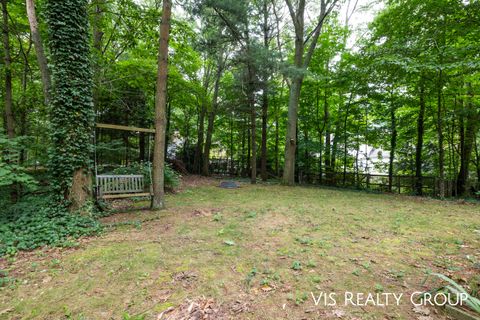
(250, 276)
(356, 272)
(251, 215)
(33, 266)
(366, 265)
(316, 279)
(397, 274)
(311, 264)
(297, 265)
(324, 244)
(301, 298)
(305, 241)
(378, 288)
(55, 263)
(5, 280)
(217, 217)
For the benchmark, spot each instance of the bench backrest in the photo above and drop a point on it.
(120, 184)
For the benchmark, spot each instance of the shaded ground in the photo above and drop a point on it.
(256, 252)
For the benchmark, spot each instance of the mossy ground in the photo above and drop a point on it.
(240, 247)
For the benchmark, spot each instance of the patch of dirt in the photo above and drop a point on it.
(205, 212)
(194, 181)
(186, 278)
(199, 309)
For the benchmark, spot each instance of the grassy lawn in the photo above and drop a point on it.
(252, 253)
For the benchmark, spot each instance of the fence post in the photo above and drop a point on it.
(368, 181)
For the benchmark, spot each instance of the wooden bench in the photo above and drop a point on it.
(121, 186)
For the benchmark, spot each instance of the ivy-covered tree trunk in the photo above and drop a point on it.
(158, 199)
(71, 113)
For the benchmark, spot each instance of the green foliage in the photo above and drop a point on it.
(71, 113)
(32, 223)
(454, 288)
(5, 279)
(11, 172)
(297, 265)
(172, 178)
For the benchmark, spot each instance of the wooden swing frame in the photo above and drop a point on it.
(120, 186)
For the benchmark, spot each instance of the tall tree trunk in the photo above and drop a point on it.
(10, 122)
(328, 142)
(167, 129)
(277, 142)
(264, 133)
(333, 164)
(307, 156)
(393, 146)
(197, 159)
(263, 166)
(253, 120)
(345, 140)
(291, 141)
(469, 137)
(302, 60)
(211, 117)
(242, 155)
(441, 150)
(158, 199)
(419, 146)
(97, 25)
(41, 58)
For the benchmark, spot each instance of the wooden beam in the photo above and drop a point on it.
(126, 195)
(125, 128)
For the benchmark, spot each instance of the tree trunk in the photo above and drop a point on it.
(197, 160)
(211, 117)
(41, 58)
(263, 166)
(253, 120)
(419, 146)
(158, 199)
(469, 137)
(328, 147)
(301, 62)
(167, 129)
(10, 122)
(291, 141)
(393, 146)
(208, 143)
(441, 151)
(264, 133)
(71, 132)
(277, 143)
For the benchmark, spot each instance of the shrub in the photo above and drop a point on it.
(172, 178)
(11, 172)
(32, 223)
